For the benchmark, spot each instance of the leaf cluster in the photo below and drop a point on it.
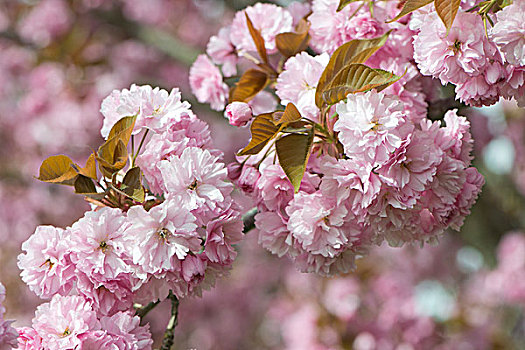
(293, 135)
(111, 157)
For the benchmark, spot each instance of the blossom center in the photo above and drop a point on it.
(66, 332)
(193, 185)
(163, 234)
(456, 47)
(375, 124)
(48, 261)
(103, 246)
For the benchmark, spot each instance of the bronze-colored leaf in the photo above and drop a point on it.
(354, 51)
(84, 184)
(354, 78)
(293, 152)
(112, 155)
(343, 3)
(447, 10)
(289, 44)
(117, 161)
(249, 85)
(263, 130)
(290, 115)
(123, 127)
(257, 39)
(90, 170)
(57, 169)
(131, 185)
(408, 7)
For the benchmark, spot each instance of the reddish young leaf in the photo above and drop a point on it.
(257, 39)
(249, 85)
(263, 130)
(58, 170)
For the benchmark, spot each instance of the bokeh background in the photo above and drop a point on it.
(60, 58)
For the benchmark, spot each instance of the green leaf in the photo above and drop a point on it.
(357, 78)
(132, 185)
(408, 7)
(447, 10)
(263, 130)
(249, 85)
(289, 44)
(343, 3)
(354, 51)
(257, 39)
(293, 152)
(58, 170)
(290, 115)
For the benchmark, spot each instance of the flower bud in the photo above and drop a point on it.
(238, 113)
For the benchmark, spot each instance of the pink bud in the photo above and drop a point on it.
(238, 113)
(248, 178)
(234, 171)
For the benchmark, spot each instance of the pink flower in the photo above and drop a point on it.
(464, 57)
(222, 51)
(63, 321)
(263, 102)
(28, 339)
(221, 233)
(298, 81)
(188, 131)
(109, 296)
(46, 265)
(269, 19)
(154, 108)
(455, 137)
(238, 113)
(197, 177)
(97, 242)
(298, 10)
(317, 225)
(126, 331)
(274, 234)
(350, 182)
(509, 32)
(206, 83)
(330, 29)
(275, 191)
(411, 168)
(157, 236)
(193, 269)
(248, 179)
(370, 125)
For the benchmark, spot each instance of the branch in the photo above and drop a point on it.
(144, 310)
(249, 220)
(167, 342)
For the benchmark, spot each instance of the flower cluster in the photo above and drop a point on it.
(8, 335)
(139, 242)
(69, 322)
(483, 68)
(374, 167)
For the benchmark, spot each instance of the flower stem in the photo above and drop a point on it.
(167, 342)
